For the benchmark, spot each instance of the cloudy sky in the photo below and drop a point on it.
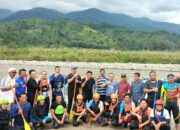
(159, 10)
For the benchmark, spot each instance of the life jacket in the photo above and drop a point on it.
(95, 107)
(44, 86)
(79, 109)
(112, 107)
(144, 114)
(159, 118)
(4, 117)
(127, 108)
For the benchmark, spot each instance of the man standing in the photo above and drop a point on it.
(170, 93)
(87, 86)
(153, 89)
(32, 87)
(137, 89)
(73, 80)
(101, 85)
(6, 84)
(57, 81)
(21, 88)
(123, 87)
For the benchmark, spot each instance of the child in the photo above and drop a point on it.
(5, 120)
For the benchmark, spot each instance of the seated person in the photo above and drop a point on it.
(79, 110)
(160, 118)
(40, 113)
(126, 107)
(58, 112)
(95, 109)
(110, 115)
(142, 114)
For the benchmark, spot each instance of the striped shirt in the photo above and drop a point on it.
(100, 82)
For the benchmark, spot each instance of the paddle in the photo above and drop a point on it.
(26, 125)
(71, 113)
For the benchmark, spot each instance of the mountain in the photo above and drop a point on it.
(40, 13)
(67, 33)
(4, 13)
(94, 16)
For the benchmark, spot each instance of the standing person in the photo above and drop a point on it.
(32, 87)
(6, 84)
(153, 89)
(111, 87)
(170, 93)
(21, 82)
(45, 88)
(177, 80)
(5, 119)
(101, 85)
(142, 113)
(57, 81)
(123, 87)
(25, 108)
(79, 110)
(160, 118)
(58, 112)
(137, 89)
(87, 86)
(72, 79)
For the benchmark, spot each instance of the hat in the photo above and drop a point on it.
(96, 96)
(79, 97)
(159, 102)
(40, 97)
(73, 67)
(11, 69)
(123, 75)
(4, 101)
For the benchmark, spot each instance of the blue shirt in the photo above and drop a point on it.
(111, 88)
(27, 111)
(21, 86)
(137, 91)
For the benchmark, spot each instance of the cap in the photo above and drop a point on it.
(73, 67)
(11, 69)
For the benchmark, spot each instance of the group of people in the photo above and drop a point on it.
(141, 105)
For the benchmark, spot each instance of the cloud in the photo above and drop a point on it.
(159, 10)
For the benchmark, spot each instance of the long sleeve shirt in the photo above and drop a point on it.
(137, 90)
(27, 111)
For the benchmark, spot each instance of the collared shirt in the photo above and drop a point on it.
(21, 86)
(123, 88)
(6, 83)
(101, 81)
(137, 90)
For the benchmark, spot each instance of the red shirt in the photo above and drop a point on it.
(123, 88)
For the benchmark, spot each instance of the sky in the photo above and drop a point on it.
(159, 10)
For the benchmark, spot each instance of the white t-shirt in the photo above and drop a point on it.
(165, 113)
(5, 83)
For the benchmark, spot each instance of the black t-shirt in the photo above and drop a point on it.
(39, 112)
(177, 81)
(58, 108)
(150, 85)
(88, 88)
(72, 84)
(78, 109)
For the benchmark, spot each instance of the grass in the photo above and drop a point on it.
(89, 55)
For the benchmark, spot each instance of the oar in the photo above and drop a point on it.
(26, 125)
(71, 113)
(35, 98)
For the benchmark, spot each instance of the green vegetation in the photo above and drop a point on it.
(65, 33)
(88, 55)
